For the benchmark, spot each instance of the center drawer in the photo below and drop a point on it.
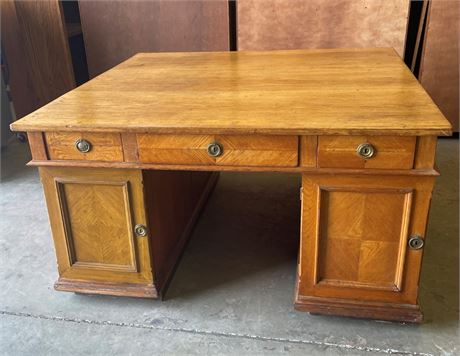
(225, 150)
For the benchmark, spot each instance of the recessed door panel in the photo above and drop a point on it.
(362, 237)
(98, 225)
(355, 233)
(93, 214)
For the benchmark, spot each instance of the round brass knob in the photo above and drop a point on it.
(416, 242)
(83, 146)
(215, 149)
(365, 150)
(140, 230)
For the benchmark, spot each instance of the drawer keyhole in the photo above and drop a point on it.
(140, 230)
(416, 242)
(215, 149)
(365, 150)
(83, 146)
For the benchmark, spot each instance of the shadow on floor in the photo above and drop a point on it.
(251, 228)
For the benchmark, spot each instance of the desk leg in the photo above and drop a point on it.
(120, 232)
(355, 259)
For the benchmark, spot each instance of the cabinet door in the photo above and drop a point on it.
(355, 232)
(93, 213)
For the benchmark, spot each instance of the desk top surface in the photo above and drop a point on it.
(337, 91)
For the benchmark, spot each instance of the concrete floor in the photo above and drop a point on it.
(232, 293)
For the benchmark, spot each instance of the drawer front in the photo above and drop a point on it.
(103, 147)
(236, 150)
(389, 152)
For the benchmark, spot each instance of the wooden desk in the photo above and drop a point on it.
(128, 159)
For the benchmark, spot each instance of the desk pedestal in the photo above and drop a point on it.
(361, 240)
(121, 232)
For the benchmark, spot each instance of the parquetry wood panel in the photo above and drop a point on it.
(354, 235)
(363, 237)
(116, 30)
(98, 224)
(238, 150)
(302, 92)
(104, 147)
(181, 149)
(286, 24)
(92, 214)
(391, 152)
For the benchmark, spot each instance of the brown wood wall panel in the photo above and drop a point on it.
(287, 24)
(116, 30)
(439, 72)
(37, 53)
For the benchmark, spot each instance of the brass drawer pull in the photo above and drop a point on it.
(365, 150)
(140, 230)
(215, 149)
(83, 146)
(416, 242)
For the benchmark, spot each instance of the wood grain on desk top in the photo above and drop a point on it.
(338, 91)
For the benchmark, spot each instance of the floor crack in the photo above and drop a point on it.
(214, 333)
